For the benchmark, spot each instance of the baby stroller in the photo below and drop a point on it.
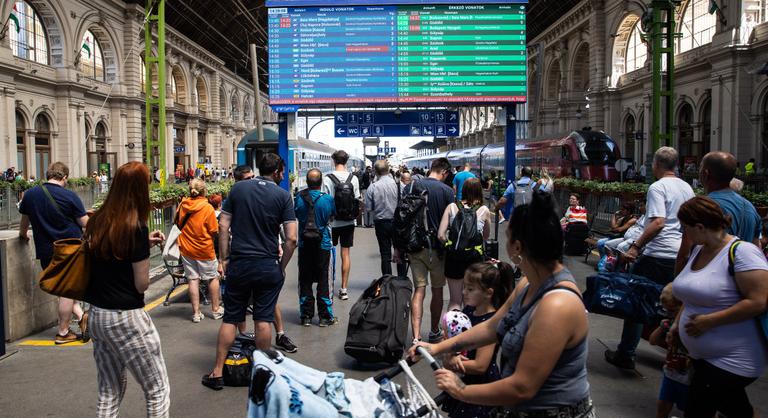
(284, 388)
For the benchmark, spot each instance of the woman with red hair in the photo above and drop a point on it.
(124, 337)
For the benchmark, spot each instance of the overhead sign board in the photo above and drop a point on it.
(304, 3)
(447, 53)
(388, 124)
(289, 108)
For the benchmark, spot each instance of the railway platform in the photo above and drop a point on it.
(41, 379)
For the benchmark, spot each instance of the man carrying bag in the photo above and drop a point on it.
(55, 213)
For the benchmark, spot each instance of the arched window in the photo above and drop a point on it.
(42, 144)
(223, 103)
(637, 52)
(247, 113)
(235, 108)
(91, 58)
(27, 34)
(697, 26)
(21, 143)
(178, 86)
(629, 51)
(553, 80)
(202, 95)
(685, 132)
(97, 148)
(153, 76)
(629, 136)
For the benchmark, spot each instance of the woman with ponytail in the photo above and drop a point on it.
(541, 329)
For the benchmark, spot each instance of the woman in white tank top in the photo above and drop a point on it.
(717, 324)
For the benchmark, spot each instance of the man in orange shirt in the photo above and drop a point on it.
(199, 227)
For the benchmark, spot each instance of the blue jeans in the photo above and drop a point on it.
(659, 270)
(601, 246)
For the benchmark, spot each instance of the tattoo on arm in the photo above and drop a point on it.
(459, 346)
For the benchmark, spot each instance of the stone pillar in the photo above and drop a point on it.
(597, 63)
(170, 168)
(190, 138)
(7, 127)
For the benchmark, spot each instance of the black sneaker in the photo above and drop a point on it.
(326, 322)
(284, 343)
(305, 322)
(619, 360)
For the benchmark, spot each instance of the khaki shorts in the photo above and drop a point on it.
(422, 267)
(200, 269)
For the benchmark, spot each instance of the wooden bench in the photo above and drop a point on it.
(599, 227)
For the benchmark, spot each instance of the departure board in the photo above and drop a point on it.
(397, 54)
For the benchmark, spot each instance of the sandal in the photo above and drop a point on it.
(215, 383)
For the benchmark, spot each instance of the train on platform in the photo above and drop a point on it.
(303, 155)
(583, 154)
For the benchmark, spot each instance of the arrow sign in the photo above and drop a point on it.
(340, 119)
(452, 130)
(341, 131)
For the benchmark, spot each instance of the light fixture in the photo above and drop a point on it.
(398, 112)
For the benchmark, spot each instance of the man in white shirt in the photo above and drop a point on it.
(347, 208)
(656, 249)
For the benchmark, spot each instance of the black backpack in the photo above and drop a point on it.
(409, 221)
(347, 205)
(311, 235)
(465, 242)
(378, 321)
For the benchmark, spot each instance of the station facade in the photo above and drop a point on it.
(592, 68)
(72, 90)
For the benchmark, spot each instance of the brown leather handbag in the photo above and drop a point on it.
(69, 272)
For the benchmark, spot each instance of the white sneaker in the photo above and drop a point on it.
(343, 295)
(217, 314)
(196, 318)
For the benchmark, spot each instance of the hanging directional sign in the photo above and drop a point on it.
(440, 123)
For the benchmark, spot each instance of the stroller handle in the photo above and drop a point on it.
(434, 364)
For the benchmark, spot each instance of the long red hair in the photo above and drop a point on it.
(111, 230)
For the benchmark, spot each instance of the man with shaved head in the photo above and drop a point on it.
(314, 250)
(715, 173)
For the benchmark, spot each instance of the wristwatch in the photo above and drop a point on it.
(635, 245)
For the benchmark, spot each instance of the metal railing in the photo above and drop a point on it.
(9, 202)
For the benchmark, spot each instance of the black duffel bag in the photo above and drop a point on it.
(625, 296)
(379, 320)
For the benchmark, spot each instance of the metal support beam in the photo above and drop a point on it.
(662, 40)
(151, 103)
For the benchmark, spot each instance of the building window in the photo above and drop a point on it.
(91, 58)
(764, 147)
(697, 26)
(202, 95)
(553, 81)
(637, 52)
(21, 147)
(27, 34)
(42, 144)
(201, 148)
(178, 86)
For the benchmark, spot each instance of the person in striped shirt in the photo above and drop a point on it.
(575, 213)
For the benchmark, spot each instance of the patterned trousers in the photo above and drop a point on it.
(126, 340)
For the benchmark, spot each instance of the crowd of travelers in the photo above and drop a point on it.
(514, 335)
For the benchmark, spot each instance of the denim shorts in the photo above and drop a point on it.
(673, 392)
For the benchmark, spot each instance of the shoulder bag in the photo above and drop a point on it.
(171, 248)
(69, 272)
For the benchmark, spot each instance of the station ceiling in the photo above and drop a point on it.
(227, 27)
